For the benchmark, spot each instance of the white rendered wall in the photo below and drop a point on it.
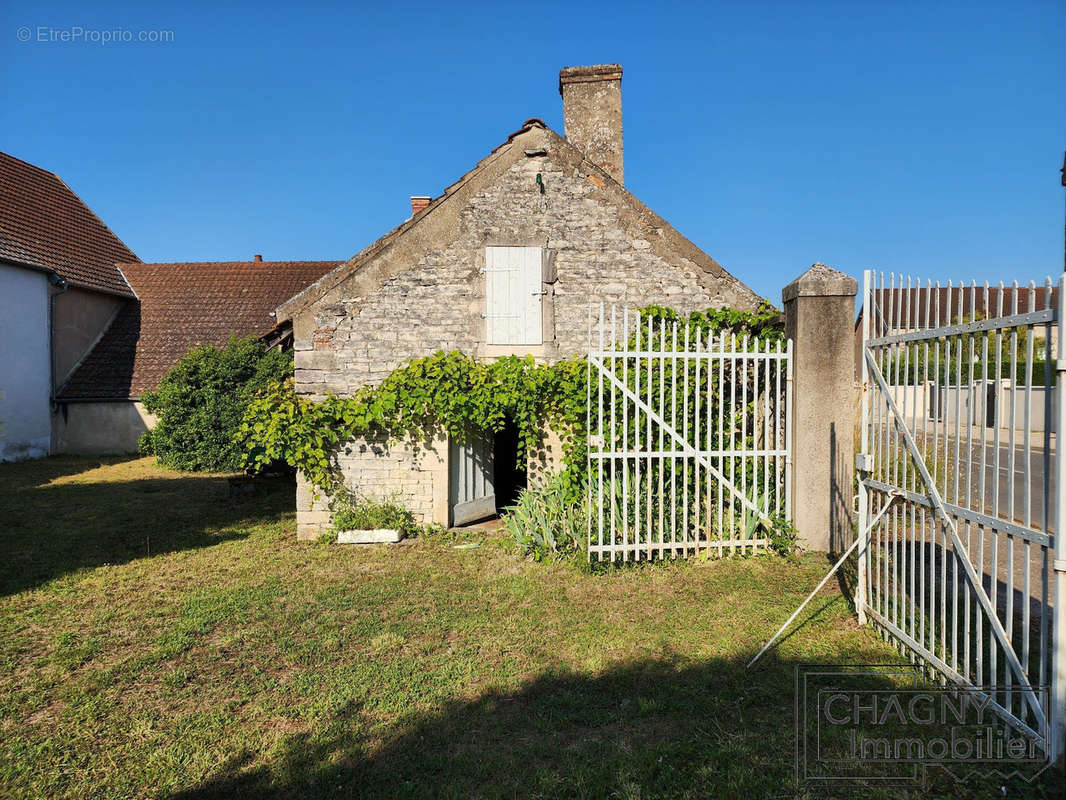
(25, 370)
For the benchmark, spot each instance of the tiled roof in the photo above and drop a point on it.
(44, 224)
(182, 305)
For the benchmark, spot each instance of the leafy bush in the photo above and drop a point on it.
(354, 513)
(201, 401)
(779, 532)
(545, 522)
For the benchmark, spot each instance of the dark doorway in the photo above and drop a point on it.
(510, 477)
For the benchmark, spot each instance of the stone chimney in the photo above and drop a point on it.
(592, 114)
(257, 257)
(418, 203)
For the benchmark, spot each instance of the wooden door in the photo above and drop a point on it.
(470, 479)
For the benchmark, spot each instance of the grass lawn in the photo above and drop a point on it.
(161, 639)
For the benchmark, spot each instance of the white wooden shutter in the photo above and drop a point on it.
(513, 295)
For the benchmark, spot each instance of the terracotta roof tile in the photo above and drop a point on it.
(182, 305)
(44, 224)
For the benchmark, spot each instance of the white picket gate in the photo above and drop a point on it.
(959, 551)
(689, 438)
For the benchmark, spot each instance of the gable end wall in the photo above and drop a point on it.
(602, 251)
(437, 303)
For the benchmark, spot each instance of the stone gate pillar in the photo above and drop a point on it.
(820, 320)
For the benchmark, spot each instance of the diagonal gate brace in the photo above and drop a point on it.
(860, 538)
(686, 448)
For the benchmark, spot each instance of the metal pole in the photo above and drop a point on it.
(803, 605)
(588, 435)
(1058, 667)
(790, 412)
(818, 588)
(862, 465)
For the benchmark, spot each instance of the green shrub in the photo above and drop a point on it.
(544, 522)
(201, 401)
(779, 532)
(354, 513)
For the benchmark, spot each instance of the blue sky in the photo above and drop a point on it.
(923, 138)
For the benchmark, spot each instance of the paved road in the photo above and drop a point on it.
(1008, 484)
(1013, 570)
(1012, 489)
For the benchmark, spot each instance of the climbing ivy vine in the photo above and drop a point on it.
(457, 393)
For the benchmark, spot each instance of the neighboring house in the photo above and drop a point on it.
(178, 306)
(507, 260)
(59, 291)
(86, 328)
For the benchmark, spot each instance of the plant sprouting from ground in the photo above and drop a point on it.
(544, 522)
(354, 513)
(200, 403)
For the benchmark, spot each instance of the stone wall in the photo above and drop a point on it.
(413, 474)
(606, 247)
(438, 302)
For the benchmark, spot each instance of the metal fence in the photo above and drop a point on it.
(689, 438)
(960, 555)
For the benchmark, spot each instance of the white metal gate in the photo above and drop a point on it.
(958, 506)
(689, 439)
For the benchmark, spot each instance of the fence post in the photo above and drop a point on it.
(861, 590)
(1058, 632)
(819, 318)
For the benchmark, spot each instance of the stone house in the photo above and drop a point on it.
(504, 261)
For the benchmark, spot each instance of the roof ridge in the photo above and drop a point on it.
(121, 264)
(334, 278)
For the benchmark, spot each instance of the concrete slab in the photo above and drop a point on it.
(380, 536)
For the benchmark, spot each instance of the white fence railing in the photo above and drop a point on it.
(689, 438)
